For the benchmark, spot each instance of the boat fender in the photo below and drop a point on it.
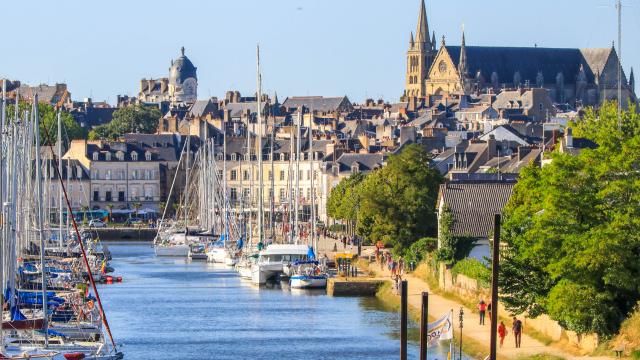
(74, 356)
(119, 279)
(109, 279)
(90, 304)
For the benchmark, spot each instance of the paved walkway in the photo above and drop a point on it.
(439, 306)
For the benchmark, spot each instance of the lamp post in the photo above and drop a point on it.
(461, 318)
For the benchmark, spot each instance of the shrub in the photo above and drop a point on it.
(419, 249)
(473, 269)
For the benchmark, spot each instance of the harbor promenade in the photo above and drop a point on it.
(439, 305)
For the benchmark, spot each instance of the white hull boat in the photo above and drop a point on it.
(172, 250)
(275, 260)
(308, 282)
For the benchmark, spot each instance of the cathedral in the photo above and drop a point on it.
(578, 77)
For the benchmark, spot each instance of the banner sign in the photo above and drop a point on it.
(442, 329)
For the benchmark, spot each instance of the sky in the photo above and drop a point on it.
(308, 47)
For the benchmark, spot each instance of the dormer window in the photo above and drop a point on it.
(355, 168)
(282, 157)
(134, 156)
(233, 157)
(95, 156)
(120, 155)
(107, 156)
(147, 156)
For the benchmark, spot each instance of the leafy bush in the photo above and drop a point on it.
(473, 269)
(419, 249)
(336, 228)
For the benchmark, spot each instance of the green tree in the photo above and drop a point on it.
(452, 248)
(398, 202)
(573, 230)
(71, 130)
(130, 119)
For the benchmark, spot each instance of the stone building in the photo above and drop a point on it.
(180, 87)
(579, 77)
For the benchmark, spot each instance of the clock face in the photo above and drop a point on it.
(189, 86)
(442, 66)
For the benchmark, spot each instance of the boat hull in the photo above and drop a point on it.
(172, 250)
(308, 282)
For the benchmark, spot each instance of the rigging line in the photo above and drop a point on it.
(84, 254)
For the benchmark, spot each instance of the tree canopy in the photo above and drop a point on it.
(71, 130)
(130, 119)
(395, 204)
(573, 230)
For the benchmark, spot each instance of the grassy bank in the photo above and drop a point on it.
(391, 302)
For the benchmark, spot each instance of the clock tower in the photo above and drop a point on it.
(420, 55)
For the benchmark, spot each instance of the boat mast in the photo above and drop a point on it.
(297, 192)
(3, 214)
(225, 223)
(272, 199)
(290, 183)
(186, 182)
(313, 189)
(60, 195)
(36, 122)
(250, 171)
(260, 134)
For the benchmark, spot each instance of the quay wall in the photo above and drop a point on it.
(469, 290)
(353, 287)
(126, 234)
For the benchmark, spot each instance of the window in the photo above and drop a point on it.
(94, 174)
(96, 195)
(540, 107)
(234, 175)
(282, 174)
(107, 196)
(270, 193)
(233, 157)
(282, 157)
(270, 175)
(308, 193)
(95, 156)
(234, 194)
(147, 156)
(245, 175)
(79, 172)
(282, 194)
(308, 174)
(246, 193)
(301, 175)
(107, 176)
(220, 174)
(121, 196)
(134, 156)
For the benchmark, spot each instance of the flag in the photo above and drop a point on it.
(439, 330)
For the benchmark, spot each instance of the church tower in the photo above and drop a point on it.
(419, 57)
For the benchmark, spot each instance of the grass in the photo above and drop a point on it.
(543, 356)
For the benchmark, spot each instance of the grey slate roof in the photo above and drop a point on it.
(317, 103)
(473, 205)
(505, 61)
(202, 108)
(366, 162)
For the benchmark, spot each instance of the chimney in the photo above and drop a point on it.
(523, 151)
(227, 115)
(407, 133)
(491, 147)
(568, 138)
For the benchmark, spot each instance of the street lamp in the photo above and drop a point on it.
(461, 318)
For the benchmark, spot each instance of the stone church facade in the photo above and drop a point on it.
(579, 77)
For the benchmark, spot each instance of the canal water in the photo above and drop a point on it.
(176, 309)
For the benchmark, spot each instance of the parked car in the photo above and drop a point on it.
(95, 223)
(133, 221)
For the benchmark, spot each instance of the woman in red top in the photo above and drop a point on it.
(502, 332)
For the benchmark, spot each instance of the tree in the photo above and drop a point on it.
(398, 202)
(71, 130)
(137, 207)
(452, 248)
(110, 208)
(344, 198)
(573, 230)
(130, 119)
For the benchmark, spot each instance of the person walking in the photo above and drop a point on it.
(502, 332)
(482, 308)
(517, 331)
(489, 310)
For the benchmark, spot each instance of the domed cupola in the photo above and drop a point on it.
(183, 80)
(181, 69)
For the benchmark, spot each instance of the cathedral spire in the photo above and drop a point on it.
(462, 64)
(422, 31)
(632, 82)
(411, 41)
(433, 41)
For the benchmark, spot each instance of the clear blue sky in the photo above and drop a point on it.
(309, 47)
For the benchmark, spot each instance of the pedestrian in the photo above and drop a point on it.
(482, 308)
(517, 331)
(394, 268)
(400, 267)
(502, 332)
